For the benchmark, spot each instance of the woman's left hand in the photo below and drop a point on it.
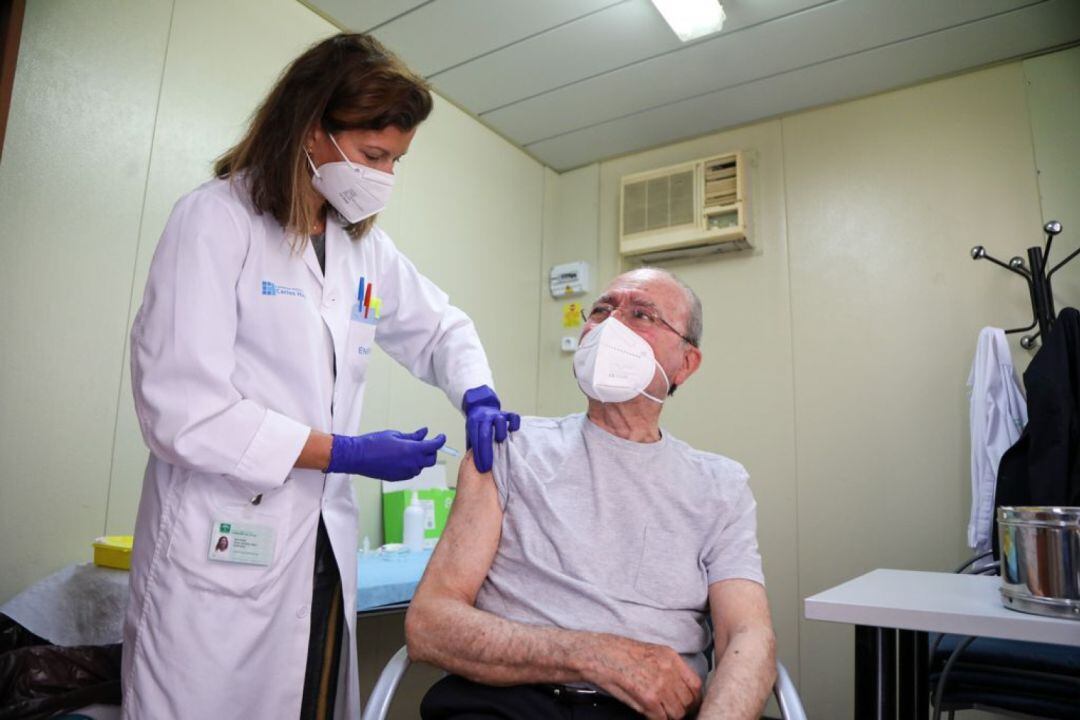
(486, 422)
(386, 455)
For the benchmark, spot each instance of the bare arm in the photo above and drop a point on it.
(442, 626)
(445, 629)
(316, 451)
(746, 651)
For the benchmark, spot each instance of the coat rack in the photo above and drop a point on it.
(1038, 282)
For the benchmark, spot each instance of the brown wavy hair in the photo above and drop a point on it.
(346, 82)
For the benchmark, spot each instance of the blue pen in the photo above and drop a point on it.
(360, 291)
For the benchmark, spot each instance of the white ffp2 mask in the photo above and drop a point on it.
(355, 191)
(615, 364)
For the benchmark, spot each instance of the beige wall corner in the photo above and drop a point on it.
(1053, 94)
(570, 223)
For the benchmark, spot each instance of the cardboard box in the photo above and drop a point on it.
(436, 505)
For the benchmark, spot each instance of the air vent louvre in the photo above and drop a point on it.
(721, 184)
(659, 203)
(695, 208)
(635, 217)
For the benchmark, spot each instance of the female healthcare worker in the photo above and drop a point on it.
(249, 356)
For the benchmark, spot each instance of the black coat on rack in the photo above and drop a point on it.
(1043, 466)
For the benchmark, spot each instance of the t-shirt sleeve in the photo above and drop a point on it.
(500, 470)
(732, 552)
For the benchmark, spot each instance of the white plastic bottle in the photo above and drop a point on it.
(414, 525)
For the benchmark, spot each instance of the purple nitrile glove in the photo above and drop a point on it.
(485, 421)
(385, 455)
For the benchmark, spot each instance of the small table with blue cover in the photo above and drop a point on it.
(386, 581)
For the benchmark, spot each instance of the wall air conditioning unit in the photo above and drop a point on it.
(688, 210)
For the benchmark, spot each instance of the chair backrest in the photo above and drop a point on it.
(378, 705)
(787, 695)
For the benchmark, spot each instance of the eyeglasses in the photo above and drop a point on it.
(638, 317)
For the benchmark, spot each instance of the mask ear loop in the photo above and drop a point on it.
(336, 147)
(342, 154)
(311, 163)
(666, 382)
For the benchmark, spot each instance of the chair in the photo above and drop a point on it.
(378, 705)
(1033, 680)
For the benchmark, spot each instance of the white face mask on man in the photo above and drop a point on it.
(615, 364)
(355, 191)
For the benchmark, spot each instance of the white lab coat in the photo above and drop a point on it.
(998, 416)
(240, 348)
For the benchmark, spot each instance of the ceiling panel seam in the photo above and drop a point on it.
(650, 58)
(527, 38)
(781, 73)
(384, 23)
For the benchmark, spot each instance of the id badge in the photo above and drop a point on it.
(243, 543)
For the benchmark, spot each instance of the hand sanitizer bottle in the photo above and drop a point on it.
(414, 525)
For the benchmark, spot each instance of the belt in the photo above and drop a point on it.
(576, 695)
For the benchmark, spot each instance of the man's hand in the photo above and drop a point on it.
(652, 679)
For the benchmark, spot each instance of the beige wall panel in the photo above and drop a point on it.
(740, 402)
(469, 216)
(71, 186)
(214, 78)
(886, 196)
(1054, 103)
(549, 319)
(570, 227)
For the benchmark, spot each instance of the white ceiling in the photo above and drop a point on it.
(575, 81)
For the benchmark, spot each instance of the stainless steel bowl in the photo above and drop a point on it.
(1040, 559)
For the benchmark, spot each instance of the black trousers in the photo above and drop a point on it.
(460, 699)
(324, 644)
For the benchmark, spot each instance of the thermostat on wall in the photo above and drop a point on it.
(570, 279)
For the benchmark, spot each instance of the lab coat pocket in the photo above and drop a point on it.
(669, 573)
(360, 343)
(209, 500)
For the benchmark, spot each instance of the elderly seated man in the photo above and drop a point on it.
(574, 580)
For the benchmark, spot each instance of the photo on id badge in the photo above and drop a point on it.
(363, 320)
(245, 543)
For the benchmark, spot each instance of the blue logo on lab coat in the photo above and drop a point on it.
(269, 288)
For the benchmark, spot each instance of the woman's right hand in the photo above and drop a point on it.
(385, 455)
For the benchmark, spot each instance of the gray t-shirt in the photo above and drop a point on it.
(609, 535)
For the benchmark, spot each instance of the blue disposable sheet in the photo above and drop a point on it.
(386, 578)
